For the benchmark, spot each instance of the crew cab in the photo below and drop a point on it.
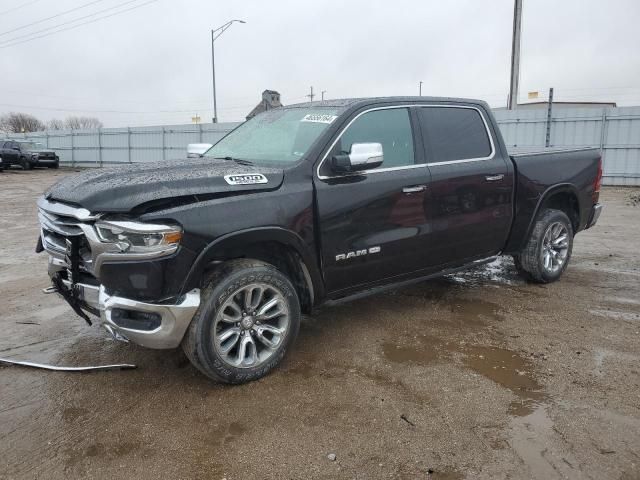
(27, 155)
(305, 205)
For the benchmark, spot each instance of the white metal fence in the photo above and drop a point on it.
(114, 146)
(615, 130)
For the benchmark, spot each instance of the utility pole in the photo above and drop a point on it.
(322, 94)
(420, 88)
(311, 95)
(549, 108)
(515, 55)
(214, 35)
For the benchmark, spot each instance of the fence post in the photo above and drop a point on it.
(164, 156)
(129, 144)
(200, 133)
(603, 130)
(47, 137)
(547, 142)
(73, 156)
(100, 146)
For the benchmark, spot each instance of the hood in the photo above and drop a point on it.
(40, 150)
(121, 189)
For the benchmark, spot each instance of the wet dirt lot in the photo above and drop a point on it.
(477, 375)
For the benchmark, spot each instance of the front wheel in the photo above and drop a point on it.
(26, 164)
(248, 318)
(548, 250)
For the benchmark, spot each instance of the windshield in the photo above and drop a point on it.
(31, 146)
(281, 135)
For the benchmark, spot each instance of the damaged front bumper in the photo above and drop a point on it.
(152, 325)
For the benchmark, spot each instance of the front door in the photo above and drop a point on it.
(373, 224)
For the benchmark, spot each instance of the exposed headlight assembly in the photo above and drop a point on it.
(136, 237)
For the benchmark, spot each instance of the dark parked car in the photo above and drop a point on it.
(27, 154)
(306, 205)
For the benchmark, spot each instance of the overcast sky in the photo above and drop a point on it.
(152, 64)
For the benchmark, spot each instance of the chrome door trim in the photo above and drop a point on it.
(407, 167)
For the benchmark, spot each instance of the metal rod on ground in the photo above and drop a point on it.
(549, 118)
(515, 55)
(103, 368)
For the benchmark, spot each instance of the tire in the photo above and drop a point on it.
(225, 290)
(26, 164)
(548, 250)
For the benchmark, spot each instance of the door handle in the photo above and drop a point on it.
(494, 178)
(414, 189)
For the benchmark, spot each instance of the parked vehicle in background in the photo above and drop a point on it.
(303, 205)
(195, 150)
(27, 154)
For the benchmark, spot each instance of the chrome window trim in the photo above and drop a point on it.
(407, 167)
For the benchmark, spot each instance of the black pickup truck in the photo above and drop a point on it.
(306, 205)
(27, 155)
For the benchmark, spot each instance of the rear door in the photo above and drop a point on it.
(373, 224)
(470, 203)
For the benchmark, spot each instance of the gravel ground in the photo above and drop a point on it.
(477, 375)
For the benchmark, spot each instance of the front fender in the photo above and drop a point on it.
(220, 248)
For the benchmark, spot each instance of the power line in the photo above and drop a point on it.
(27, 35)
(6, 45)
(19, 6)
(53, 16)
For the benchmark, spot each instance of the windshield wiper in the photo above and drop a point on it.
(240, 161)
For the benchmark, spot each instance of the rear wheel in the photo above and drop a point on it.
(247, 321)
(548, 250)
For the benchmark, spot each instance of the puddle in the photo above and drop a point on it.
(446, 474)
(474, 311)
(502, 366)
(529, 438)
(616, 315)
(509, 370)
(427, 351)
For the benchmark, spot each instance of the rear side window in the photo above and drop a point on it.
(453, 134)
(389, 127)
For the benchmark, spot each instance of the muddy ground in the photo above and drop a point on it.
(477, 375)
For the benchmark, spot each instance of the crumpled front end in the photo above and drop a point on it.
(79, 250)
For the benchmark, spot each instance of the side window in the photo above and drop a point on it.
(454, 133)
(390, 127)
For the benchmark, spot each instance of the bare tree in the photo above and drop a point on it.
(55, 124)
(82, 122)
(17, 122)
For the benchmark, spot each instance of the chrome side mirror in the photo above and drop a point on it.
(362, 156)
(195, 150)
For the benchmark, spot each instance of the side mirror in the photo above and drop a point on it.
(363, 156)
(195, 150)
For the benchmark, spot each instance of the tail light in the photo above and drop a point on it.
(597, 183)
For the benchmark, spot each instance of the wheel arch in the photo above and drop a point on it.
(280, 247)
(562, 197)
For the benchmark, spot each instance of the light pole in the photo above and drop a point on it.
(215, 33)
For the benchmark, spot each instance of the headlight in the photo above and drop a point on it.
(138, 237)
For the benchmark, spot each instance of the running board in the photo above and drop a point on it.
(405, 283)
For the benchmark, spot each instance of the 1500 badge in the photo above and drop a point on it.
(246, 179)
(357, 253)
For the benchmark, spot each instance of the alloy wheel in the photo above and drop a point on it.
(250, 325)
(555, 247)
